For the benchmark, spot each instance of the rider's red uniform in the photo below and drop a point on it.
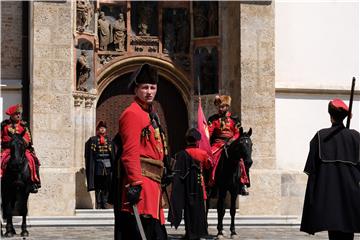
(9, 127)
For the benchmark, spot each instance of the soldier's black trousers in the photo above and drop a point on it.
(337, 235)
(129, 231)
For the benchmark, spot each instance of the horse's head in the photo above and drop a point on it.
(17, 153)
(242, 147)
(246, 145)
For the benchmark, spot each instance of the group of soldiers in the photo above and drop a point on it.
(135, 168)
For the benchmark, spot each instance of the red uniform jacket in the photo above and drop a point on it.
(9, 127)
(222, 130)
(200, 155)
(131, 124)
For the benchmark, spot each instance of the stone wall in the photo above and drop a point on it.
(258, 105)
(52, 106)
(11, 40)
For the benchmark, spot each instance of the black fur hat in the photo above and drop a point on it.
(192, 136)
(101, 124)
(145, 74)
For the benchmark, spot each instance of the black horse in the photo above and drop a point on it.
(15, 186)
(227, 176)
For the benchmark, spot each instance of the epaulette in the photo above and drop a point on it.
(5, 122)
(23, 123)
(235, 118)
(213, 117)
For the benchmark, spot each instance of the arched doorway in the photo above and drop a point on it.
(169, 103)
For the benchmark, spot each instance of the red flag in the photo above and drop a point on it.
(202, 126)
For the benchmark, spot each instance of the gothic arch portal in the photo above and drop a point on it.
(172, 100)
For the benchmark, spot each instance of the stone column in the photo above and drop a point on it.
(84, 128)
(52, 109)
(257, 91)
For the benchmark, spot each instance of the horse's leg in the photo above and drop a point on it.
(233, 212)
(221, 211)
(24, 210)
(24, 231)
(10, 231)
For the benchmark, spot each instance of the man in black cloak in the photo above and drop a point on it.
(332, 198)
(99, 156)
(188, 190)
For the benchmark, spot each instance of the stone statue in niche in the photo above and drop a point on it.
(119, 29)
(213, 19)
(182, 32)
(105, 32)
(145, 13)
(84, 14)
(169, 37)
(200, 21)
(82, 71)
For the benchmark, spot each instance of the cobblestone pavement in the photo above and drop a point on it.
(104, 233)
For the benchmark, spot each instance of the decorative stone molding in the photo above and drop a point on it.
(145, 44)
(80, 97)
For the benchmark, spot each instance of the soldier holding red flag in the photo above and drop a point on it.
(15, 125)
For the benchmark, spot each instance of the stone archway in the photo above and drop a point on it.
(172, 100)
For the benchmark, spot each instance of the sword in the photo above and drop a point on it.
(138, 222)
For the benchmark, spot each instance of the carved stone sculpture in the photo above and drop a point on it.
(169, 37)
(119, 29)
(145, 13)
(84, 14)
(82, 71)
(105, 32)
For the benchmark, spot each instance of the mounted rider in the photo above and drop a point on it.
(15, 125)
(223, 130)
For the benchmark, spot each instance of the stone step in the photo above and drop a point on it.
(105, 217)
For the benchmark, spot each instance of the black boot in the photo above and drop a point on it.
(34, 188)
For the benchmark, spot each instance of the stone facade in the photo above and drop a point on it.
(63, 118)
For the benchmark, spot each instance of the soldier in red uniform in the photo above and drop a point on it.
(223, 130)
(13, 125)
(142, 160)
(332, 198)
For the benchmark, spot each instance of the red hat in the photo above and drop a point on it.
(101, 124)
(14, 109)
(338, 109)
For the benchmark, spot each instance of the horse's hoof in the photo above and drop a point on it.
(220, 235)
(233, 234)
(9, 234)
(24, 233)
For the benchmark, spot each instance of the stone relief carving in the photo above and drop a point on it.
(84, 15)
(104, 32)
(145, 44)
(145, 12)
(119, 33)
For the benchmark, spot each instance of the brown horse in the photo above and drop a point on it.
(15, 186)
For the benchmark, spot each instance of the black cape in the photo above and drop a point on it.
(332, 198)
(90, 158)
(187, 196)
